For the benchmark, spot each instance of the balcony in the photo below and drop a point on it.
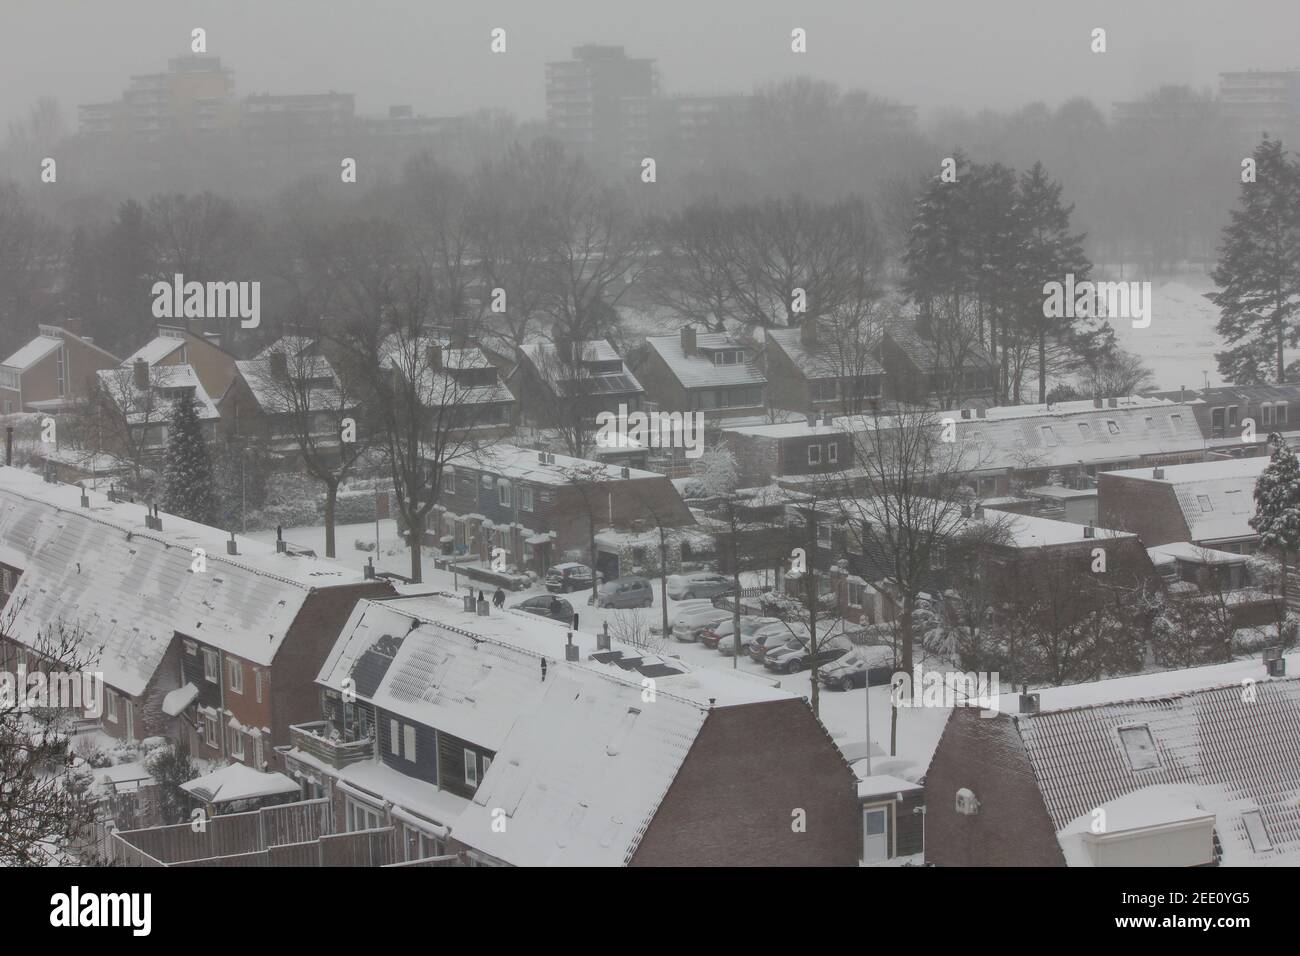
(315, 739)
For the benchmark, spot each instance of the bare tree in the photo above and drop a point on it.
(591, 481)
(124, 415)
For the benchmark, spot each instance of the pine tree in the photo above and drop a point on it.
(1277, 503)
(187, 475)
(1258, 274)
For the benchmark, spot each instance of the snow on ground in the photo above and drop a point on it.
(842, 712)
(1179, 345)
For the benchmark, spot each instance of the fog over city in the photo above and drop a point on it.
(671, 434)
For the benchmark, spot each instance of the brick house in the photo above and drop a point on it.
(51, 371)
(702, 371)
(273, 392)
(175, 345)
(457, 376)
(230, 644)
(920, 369)
(589, 379)
(1162, 769)
(499, 737)
(1209, 503)
(810, 369)
(1221, 414)
(141, 398)
(811, 445)
(540, 507)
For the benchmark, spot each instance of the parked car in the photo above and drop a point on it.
(688, 624)
(721, 633)
(798, 655)
(863, 666)
(571, 576)
(547, 605)
(698, 584)
(625, 592)
(765, 640)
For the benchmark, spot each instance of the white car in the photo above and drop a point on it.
(698, 584)
(688, 624)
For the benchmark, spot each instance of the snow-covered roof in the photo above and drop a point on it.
(32, 352)
(177, 700)
(881, 783)
(145, 404)
(1235, 744)
(581, 760)
(291, 345)
(1217, 498)
(591, 382)
(521, 464)
(1194, 554)
(698, 370)
(132, 588)
(824, 359)
(922, 353)
(155, 350)
(324, 395)
(239, 781)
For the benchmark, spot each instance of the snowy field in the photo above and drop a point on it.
(1179, 345)
(842, 712)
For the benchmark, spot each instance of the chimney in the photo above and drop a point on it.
(1096, 403)
(85, 498)
(688, 340)
(279, 363)
(570, 648)
(541, 457)
(812, 419)
(965, 414)
(281, 547)
(602, 638)
(1157, 472)
(978, 513)
(627, 472)
(73, 325)
(9, 444)
(141, 373)
(1182, 395)
(1089, 531)
(368, 570)
(1028, 701)
(1113, 403)
(1274, 663)
(434, 356)
(808, 332)
(965, 511)
(981, 413)
(543, 670)
(827, 418)
(112, 493)
(230, 545)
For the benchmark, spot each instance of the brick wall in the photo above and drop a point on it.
(1147, 508)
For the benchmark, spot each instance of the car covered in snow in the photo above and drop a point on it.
(629, 592)
(872, 666)
(688, 624)
(547, 605)
(722, 632)
(699, 584)
(570, 576)
(797, 655)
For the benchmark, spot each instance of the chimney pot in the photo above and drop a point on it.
(435, 356)
(808, 332)
(627, 472)
(1157, 472)
(1096, 403)
(279, 363)
(140, 370)
(812, 419)
(230, 545)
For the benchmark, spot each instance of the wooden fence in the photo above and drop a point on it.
(227, 836)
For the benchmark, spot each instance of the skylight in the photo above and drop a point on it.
(1139, 747)
(1255, 829)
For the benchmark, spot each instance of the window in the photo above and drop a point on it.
(1085, 431)
(449, 482)
(1280, 413)
(61, 369)
(408, 742)
(211, 666)
(526, 499)
(236, 743)
(1216, 420)
(1112, 426)
(257, 681)
(503, 494)
(1204, 502)
(487, 762)
(210, 735)
(1232, 416)
(110, 700)
(471, 768)
(395, 737)
(6, 583)
(833, 453)
(9, 407)
(236, 676)
(1266, 413)
(1255, 829)
(362, 817)
(814, 454)
(824, 534)
(1049, 436)
(1139, 747)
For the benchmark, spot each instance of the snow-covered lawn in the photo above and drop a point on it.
(1180, 343)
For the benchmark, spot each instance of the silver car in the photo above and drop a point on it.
(699, 584)
(625, 593)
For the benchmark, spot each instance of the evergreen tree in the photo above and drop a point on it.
(1277, 503)
(187, 475)
(1258, 274)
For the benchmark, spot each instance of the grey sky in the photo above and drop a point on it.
(433, 54)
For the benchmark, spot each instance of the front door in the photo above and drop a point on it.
(130, 720)
(875, 845)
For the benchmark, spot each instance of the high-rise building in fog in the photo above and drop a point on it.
(598, 104)
(196, 93)
(1262, 101)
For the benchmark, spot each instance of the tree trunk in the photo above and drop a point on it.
(331, 502)
(415, 537)
(663, 579)
(1042, 364)
(735, 581)
(810, 589)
